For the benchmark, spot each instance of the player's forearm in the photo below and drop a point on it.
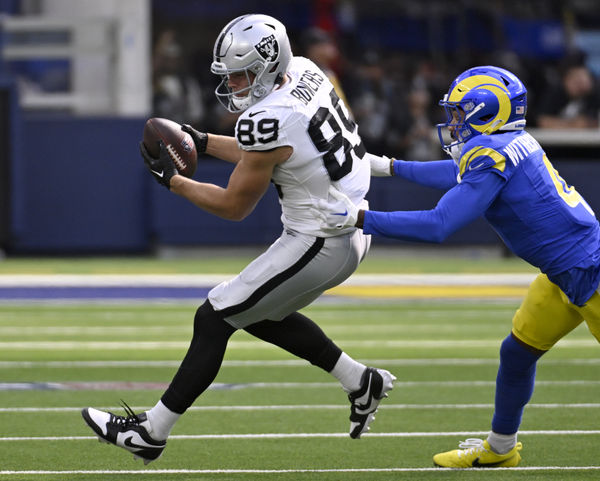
(457, 208)
(210, 198)
(425, 226)
(223, 147)
(439, 174)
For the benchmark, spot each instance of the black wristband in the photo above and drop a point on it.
(360, 219)
(202, 142)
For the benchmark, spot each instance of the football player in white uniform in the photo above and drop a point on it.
(294, 131)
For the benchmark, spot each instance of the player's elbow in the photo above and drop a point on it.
(236, 212)
(439, 234)
(234, 215)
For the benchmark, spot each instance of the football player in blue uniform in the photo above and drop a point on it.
(501, 172)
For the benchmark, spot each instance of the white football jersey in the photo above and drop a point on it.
(307, 115)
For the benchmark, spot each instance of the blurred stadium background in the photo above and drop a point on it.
(78, 78)
(103, 268)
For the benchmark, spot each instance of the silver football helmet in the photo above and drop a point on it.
(256, 45)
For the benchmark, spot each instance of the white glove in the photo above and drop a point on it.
(381, 166)
(339, 214)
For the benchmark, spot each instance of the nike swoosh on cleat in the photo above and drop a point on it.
(367, 406)
(477, 464)
(341, 213)
(129, 443)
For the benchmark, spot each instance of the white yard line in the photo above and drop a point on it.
(254, 436)
(155, 345)
(291, 363)
(286, 471)
(204, 280)
(153, 385)
(297, 407)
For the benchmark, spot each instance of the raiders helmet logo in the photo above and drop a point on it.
(268, 48)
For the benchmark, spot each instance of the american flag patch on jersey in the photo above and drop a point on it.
(520, 110)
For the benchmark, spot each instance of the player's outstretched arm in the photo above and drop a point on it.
(222, 147)
(381, 165)
(458, 207)
(247, 184)
(439, 174)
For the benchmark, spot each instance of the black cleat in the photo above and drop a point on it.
(374, 385)
(130, 432)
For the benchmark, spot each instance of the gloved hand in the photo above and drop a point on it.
(381, 166)
(339, 214)
(200, 138)
(163, 168)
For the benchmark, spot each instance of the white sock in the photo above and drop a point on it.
(348, 372)
(501, 443)
(162, 420)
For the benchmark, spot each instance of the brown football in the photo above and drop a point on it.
(179, 144)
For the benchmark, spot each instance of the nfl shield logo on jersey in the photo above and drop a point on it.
(268, 48)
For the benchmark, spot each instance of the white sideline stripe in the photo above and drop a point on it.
(91, 331)
(152, 345)
(208, 280)
(314, 435)
(316, 470)
(295, 407)
(282, 363)
(112, 385)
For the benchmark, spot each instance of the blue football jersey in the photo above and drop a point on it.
(508, 179)
(538, 215)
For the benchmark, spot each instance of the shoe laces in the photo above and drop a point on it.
(126, 421)
(469, 446)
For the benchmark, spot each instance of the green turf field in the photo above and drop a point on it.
(270, 416)
(208, 261)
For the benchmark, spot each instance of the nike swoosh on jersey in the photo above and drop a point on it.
(341, 213)
(252, 114)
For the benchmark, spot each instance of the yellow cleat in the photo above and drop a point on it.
(476, 453)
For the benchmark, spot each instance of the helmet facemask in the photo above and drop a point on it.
(455, 132)
(239, 100)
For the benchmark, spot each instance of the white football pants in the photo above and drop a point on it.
(291, 274)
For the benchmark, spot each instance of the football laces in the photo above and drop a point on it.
(176, 158)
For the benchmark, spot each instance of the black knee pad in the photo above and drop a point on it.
(207, 320)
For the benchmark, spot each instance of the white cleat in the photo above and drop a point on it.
(131, 432)
(374, 385)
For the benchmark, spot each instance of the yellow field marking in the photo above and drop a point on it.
(428, 291)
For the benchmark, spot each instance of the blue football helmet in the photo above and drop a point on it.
(482, 101)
